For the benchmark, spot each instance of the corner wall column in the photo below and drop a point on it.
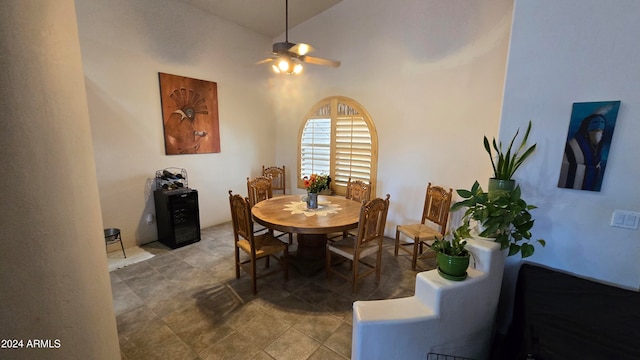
(54, 279)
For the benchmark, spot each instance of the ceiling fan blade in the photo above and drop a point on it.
(265, 61)
(301, 49)
(321, 61)
(282, 47)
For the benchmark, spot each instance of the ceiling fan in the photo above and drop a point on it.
(288, 57)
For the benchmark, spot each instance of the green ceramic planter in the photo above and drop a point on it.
(498, 186)
(452, 267)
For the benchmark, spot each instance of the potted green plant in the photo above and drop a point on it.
(507, 162)
(452, 256)
(505, 217)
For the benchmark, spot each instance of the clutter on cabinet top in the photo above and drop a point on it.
(171, 179)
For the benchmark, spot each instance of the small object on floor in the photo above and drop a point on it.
(112, 236)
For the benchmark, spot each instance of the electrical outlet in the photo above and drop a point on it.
(625, 219)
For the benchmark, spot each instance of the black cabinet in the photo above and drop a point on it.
(177, 217)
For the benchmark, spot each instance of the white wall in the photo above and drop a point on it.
(125, 43)
(430, 74)
(561, 53)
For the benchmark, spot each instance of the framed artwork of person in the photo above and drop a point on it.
(587, 147)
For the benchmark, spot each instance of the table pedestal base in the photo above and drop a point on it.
(310, 255)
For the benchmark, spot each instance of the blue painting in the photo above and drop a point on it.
(587, 147)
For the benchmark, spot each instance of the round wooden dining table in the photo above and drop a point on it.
(289, 213)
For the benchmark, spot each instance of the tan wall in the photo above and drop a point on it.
(53, 271)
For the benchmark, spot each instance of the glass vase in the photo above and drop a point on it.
(312, 200)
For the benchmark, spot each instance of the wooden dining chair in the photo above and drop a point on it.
(368, 241)
(278, 177)
(255, 246)
(358, 190)
(259, 189)
(435, 215)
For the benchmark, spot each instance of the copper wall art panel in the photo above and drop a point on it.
(189, 115)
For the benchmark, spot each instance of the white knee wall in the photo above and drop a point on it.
(446, 317)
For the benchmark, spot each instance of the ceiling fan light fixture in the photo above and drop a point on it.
(283, 65)
(287, 66)
(287, 57)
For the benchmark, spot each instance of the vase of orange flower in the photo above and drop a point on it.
(314, 184)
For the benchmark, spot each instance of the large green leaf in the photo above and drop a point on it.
(527, 250)
(513, 249)
(508, 161)
(464, 193)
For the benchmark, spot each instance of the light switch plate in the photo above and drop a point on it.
(625, 219)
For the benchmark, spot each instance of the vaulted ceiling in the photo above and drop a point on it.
(266, 17)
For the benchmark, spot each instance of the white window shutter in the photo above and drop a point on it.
(339, 139)
(353, 150)
(315, 147)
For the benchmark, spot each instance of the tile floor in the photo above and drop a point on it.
(187, 304)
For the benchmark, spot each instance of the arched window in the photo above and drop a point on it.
(338, 138)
